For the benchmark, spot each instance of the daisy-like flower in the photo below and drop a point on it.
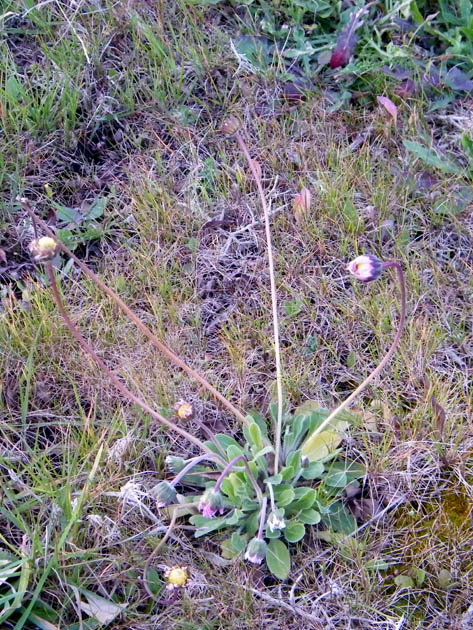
(43, 249)
(256, 551)
(366, 268)
(164, 494)
(276, 520)
(211, 503)
(176, 577)
(184, 410)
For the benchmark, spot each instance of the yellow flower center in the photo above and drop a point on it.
(46, 243)
(184, 411)
(363, 267)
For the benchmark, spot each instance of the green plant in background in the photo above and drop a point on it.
(419, 43)
(286, 472)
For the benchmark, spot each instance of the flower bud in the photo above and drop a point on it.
(230, 126)
(175, 464)
(256, 551)
(276, 520)
(366, 268)
(176, 577)
(164, 494)
(210, 503)
(42, 249)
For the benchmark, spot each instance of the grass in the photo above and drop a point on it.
(139, 123)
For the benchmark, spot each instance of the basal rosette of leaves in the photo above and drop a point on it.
(307, 491)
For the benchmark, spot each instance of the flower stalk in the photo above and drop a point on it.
(251, 477)
(111, 375)
(274, 300)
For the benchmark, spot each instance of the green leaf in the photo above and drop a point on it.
(284, 495)
(233, 519)
(404, 581)
(67, 215)
(254, 416)
(351, 360)
(234, 451)
(287, 473)
(352, 470)
(264, 451)
(228, 489)
(255, 435)
(294, 460)
(97, 209)
(420, 576)
(336, 479)
(303, 500)
(293, 307)
(14, 89)
(278, 559)
(295, 433)
(275, 480)
(309, 408)
(294, 531)
(444, 579)
(432, 158)
(206, 525)
(252, 523)
(339, 519)
(467, 144)
(255, 50)
(416, 14)
(309, 517)
(233, 546)
(314, 470)
(225, 441)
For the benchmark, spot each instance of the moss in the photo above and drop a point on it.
(456, 507)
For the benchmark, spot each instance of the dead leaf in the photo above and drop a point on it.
(3, 256)
(389, 106)
(301, 204)
(321, 445)
(104, 610)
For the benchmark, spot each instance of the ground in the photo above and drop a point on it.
(110, 127)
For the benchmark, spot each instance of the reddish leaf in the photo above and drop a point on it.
(347, 39)
(389, 106)
(3, 256)
(340, 57)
